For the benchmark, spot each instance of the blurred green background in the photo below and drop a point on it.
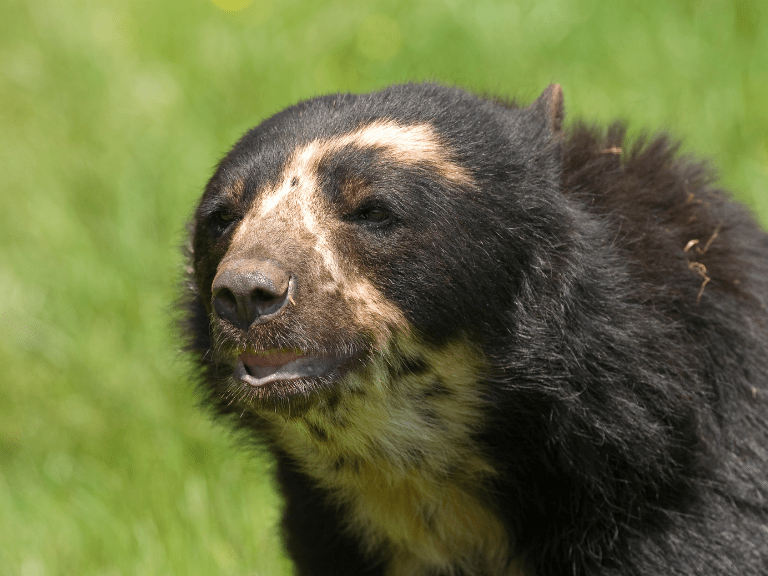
(112, 116)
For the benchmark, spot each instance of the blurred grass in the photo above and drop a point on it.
(112, 116)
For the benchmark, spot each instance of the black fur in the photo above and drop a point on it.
(618, 295)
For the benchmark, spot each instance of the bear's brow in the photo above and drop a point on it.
(405, 144)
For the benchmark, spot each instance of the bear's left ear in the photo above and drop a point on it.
(549, 108)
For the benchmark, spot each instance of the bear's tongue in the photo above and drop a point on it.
(270, 358)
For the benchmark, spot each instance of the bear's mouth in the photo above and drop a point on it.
(279, 364)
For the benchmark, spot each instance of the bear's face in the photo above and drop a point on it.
(328, 238)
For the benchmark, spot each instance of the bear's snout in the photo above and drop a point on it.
(250, 291)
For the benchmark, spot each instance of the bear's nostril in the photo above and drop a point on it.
(268, 302)
(263, 296)
(225, 305)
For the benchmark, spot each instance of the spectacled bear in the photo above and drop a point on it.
(479, 343)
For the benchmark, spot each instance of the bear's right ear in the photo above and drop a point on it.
(549, 108)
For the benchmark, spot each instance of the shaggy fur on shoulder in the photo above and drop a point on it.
(478, 343)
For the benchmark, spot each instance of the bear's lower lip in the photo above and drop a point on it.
(258, 369)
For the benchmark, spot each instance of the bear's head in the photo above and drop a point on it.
(354, 228)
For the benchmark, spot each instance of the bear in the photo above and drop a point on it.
(477, 342)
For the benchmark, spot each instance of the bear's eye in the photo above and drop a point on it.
(221, 220)
(375, 216)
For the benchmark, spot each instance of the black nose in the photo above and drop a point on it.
(247, 292)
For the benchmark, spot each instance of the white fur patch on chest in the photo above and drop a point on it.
(396, 449)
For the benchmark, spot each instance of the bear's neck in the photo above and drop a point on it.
(395, 448)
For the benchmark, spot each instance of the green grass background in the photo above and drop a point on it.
(112, 116)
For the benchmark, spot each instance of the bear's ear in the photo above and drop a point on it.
(549, 108)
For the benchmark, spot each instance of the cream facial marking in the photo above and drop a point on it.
(410, 144)
(299, 173)
(411, 484)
